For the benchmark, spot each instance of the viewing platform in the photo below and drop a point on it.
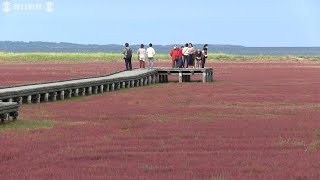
(185, 74)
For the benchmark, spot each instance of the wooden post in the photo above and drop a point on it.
(101, 88)
(46, 97)
(112, 86)
(19, 100)
(154, 81)
(150, 80)
(76, 92)
(54, 96)
(141, 82)
(83, 92)
(62, 95)
(89, 90)
(96, 89)
(146, 81)
(204, 74)
(180, 77)
(38, 98)
(70, 93)
(29, 99)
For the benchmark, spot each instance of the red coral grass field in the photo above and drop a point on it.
(256, 121)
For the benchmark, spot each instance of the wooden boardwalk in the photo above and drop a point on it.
(60, 90)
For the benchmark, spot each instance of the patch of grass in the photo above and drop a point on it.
(68, 57)
(147, 168)
(89, 57)
(314, 145)
(25, 125)
(288, 141)
(218, 177)
(128, 125)
(283, 141)
(317, 133)
(298, 143)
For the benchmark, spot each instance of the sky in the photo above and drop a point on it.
(252, 23)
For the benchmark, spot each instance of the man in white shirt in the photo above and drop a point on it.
(151, 53)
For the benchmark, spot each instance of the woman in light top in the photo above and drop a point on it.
(141, 56)
(185, 54)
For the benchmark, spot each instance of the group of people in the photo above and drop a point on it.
(143, 54)
(184, 57)
(187, 56)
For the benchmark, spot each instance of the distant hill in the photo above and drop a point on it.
(8, 46)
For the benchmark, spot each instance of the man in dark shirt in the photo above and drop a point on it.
(205, 55)
(127, 52)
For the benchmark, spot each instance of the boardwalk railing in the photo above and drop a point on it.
(60, 90)
(8, 110)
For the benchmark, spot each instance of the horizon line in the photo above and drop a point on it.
(87, 44)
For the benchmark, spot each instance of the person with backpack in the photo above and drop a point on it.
(127, 52)
(141, 56)
(150, 53)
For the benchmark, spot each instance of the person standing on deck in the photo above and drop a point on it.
(205, 55)
(191, 52)
(150, 53)
(141, 56)
(127, 52)
(180, 61)
(174, 53)
(185, 56)
(199, 58)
